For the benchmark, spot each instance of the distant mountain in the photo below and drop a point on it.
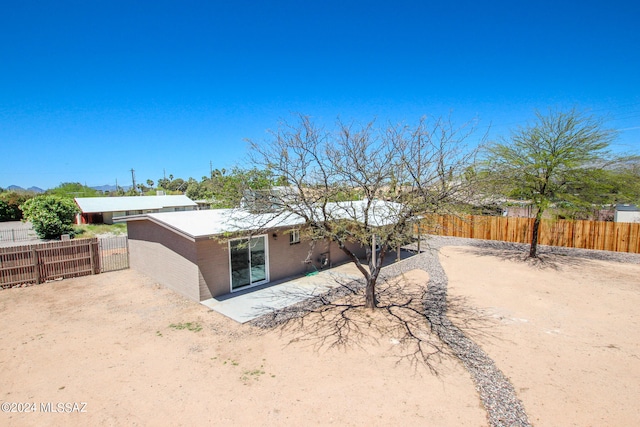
(110, 188)
(19, 189)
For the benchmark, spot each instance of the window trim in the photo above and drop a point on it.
(294, 236)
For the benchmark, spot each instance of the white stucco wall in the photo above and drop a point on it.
(627, 216)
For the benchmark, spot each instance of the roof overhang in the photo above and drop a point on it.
(206, 224)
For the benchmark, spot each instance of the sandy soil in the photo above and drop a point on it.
(107, 340)
(566, 332)
(567, 335)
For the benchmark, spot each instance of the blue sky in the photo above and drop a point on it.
(91, 89)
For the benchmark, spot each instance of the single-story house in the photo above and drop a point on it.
(203, 204)
(208, 253)
(627, 213)
(103, 210)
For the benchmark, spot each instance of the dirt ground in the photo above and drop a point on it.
(107, 340)
(565, 332)
(139, 354)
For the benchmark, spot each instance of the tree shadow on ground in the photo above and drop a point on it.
(399, 326)
(547, 258)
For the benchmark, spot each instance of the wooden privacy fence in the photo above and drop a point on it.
(48, 261)
(602, 235)
(40, 262)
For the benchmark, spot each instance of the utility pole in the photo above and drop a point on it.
(133, 179)
(210, 169)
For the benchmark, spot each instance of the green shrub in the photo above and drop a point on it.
(51, 216)
(10, 205)
(7, 213)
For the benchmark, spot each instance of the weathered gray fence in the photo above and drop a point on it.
(17, 235)
(114, 253)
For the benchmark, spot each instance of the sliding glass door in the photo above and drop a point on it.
(248, 262)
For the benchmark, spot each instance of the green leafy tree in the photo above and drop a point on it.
(73, 189)
(6, 213)
(199, 190)
(51, 216)
(178, 184)
(599, 188)
(556, 161)
(173, 186)
(163, 183)
(132, 192)
(10, 202)
(626, 180)
(229, 187)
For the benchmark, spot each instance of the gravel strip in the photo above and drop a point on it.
(496, 391)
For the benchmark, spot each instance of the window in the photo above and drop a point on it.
(294, 237)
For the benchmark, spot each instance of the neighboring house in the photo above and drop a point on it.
(523, 210)
(203, 204)
(208, 253)
(627, 213)
(99, 210)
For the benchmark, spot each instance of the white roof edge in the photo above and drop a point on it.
(196, 225)
(131, 203)
(147, 217)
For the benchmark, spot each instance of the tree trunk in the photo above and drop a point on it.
(533, 250)
(370, 293)
(375, 265)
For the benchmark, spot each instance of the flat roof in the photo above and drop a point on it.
(212, 222)
(131, 203)
(627, 207)
(205, 223)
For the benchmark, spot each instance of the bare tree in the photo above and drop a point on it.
(364, 184)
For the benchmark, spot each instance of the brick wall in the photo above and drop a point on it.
(213, 273)
(165, 256)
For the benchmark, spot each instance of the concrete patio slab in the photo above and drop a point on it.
(244, 306)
